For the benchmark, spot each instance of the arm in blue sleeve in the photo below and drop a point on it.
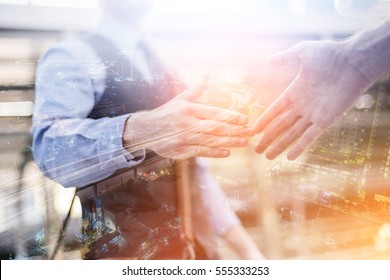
(67, 146)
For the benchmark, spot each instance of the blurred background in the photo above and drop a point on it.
(332, 203)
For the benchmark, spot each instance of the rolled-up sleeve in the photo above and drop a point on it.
(69, 147)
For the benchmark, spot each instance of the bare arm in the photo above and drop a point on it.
(243, 244)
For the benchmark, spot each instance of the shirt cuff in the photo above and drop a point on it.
(111, 152)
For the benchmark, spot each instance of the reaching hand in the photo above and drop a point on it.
(181, 129)
(327, 85)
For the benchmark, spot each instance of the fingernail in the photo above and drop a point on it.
(225, 153)
(291, 158)
(242, 141)
(261, 146)
(270, 156)
(259, 149)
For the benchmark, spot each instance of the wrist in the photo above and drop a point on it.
(134, 133)
(360, 60)
(369, 52)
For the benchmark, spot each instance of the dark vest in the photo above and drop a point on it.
(126, 90)
(133, 213)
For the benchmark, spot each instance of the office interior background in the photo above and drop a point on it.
(331, 203)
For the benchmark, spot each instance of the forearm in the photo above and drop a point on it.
(214, 218)
(370, 51)
(68, 166)
(78, 152)
(212, 201)
(241, 242)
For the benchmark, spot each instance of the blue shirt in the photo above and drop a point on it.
(75, 150)
(67, 146)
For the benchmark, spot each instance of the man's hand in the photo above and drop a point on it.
(328, 83)
(182, 129)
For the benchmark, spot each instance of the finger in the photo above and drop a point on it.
(290, 56)
(288, 139)
(200, 151)
(277, 128)
(218, 114)
(277, 107)
(215, 141)
(203, 130)
(203, 151)
(224, 129)
(308, 137)
(194, 92)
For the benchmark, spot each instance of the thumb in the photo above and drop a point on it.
(193, 92)
(287, 57)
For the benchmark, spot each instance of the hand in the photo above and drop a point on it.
(327, 85)
(181, 129)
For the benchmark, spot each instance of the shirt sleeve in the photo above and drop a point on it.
(69, 147)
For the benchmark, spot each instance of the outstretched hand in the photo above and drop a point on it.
(327, 85)
(182, 128)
